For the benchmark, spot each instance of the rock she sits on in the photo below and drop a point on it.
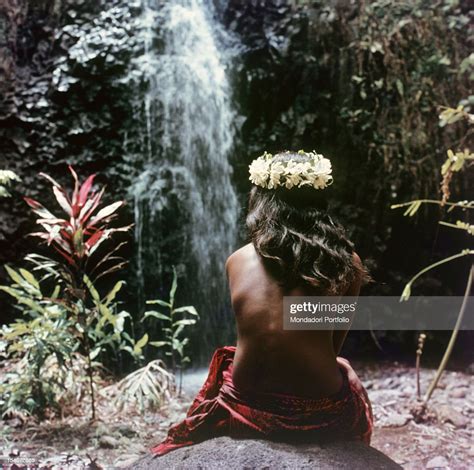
(232, 454)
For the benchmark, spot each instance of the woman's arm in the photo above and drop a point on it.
(338, 336)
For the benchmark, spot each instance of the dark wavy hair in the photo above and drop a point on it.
(296, 238)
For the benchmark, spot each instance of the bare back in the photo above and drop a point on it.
(269, 358)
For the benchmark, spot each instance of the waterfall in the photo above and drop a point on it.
(185, 204)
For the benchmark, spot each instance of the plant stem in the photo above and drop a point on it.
(418, 388)
(173, 359)
(434, 201)
(459, 227)
(180, 389)
(438, 263)
(452, 340)
(90, 375)
(86, 340)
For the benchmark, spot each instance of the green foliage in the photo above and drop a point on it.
(43, 334)
(175, 322)
(455, 162)
(405, 59)
(104, 324)
(7, 177)
(42, 346)
(63, 334)
(78, 238)
(75, 316)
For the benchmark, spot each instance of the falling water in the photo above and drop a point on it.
(184, 200)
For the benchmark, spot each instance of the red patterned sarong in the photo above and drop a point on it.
(221, 410)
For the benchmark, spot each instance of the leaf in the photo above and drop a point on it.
(51, 180)
(178, 331)
(89, 208)
(178, 346)
(56, 292)
(85, 189)
(53, 235)
(446, 165)
(75, 193)
(55, 221)
(39, 209)
(174, 286)
(189, 309)
(184, 322)
(109, 256)
(158, 344)
(11, 291)
(113, 292)
(95, 238)
(94, 353)
(158, 302)
(14, 275)
(92, 289)
(406, 293)
(107, 233)
(412, 208)
(68, 258)
(155, 314)
(106, 212)
(106, 316)
(62, 200)
(120, 323)
(137, 349)
(32, 304)
(112, 269)
(30, 278)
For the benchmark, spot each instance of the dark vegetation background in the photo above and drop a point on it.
(360, 81)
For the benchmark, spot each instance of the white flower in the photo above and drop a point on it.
(293, 174)
(292, 180)
(259, 171)
(277, 170)
(323, 166)
(321, 181)
(315, 173)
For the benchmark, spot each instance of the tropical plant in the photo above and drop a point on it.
(44, 332)
(455, 162)
(148, 387)
(79, 237)
(83, 230)
(175, 322)
(7, 177)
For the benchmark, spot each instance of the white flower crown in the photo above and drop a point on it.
(268, 174)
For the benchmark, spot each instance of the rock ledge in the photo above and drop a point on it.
(229, 454)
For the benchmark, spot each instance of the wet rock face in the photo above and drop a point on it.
(61, 101)
(228, 453)
(269, 71)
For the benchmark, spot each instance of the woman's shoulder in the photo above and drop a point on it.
(243, 254)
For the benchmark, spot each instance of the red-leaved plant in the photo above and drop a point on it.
(76, 236)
